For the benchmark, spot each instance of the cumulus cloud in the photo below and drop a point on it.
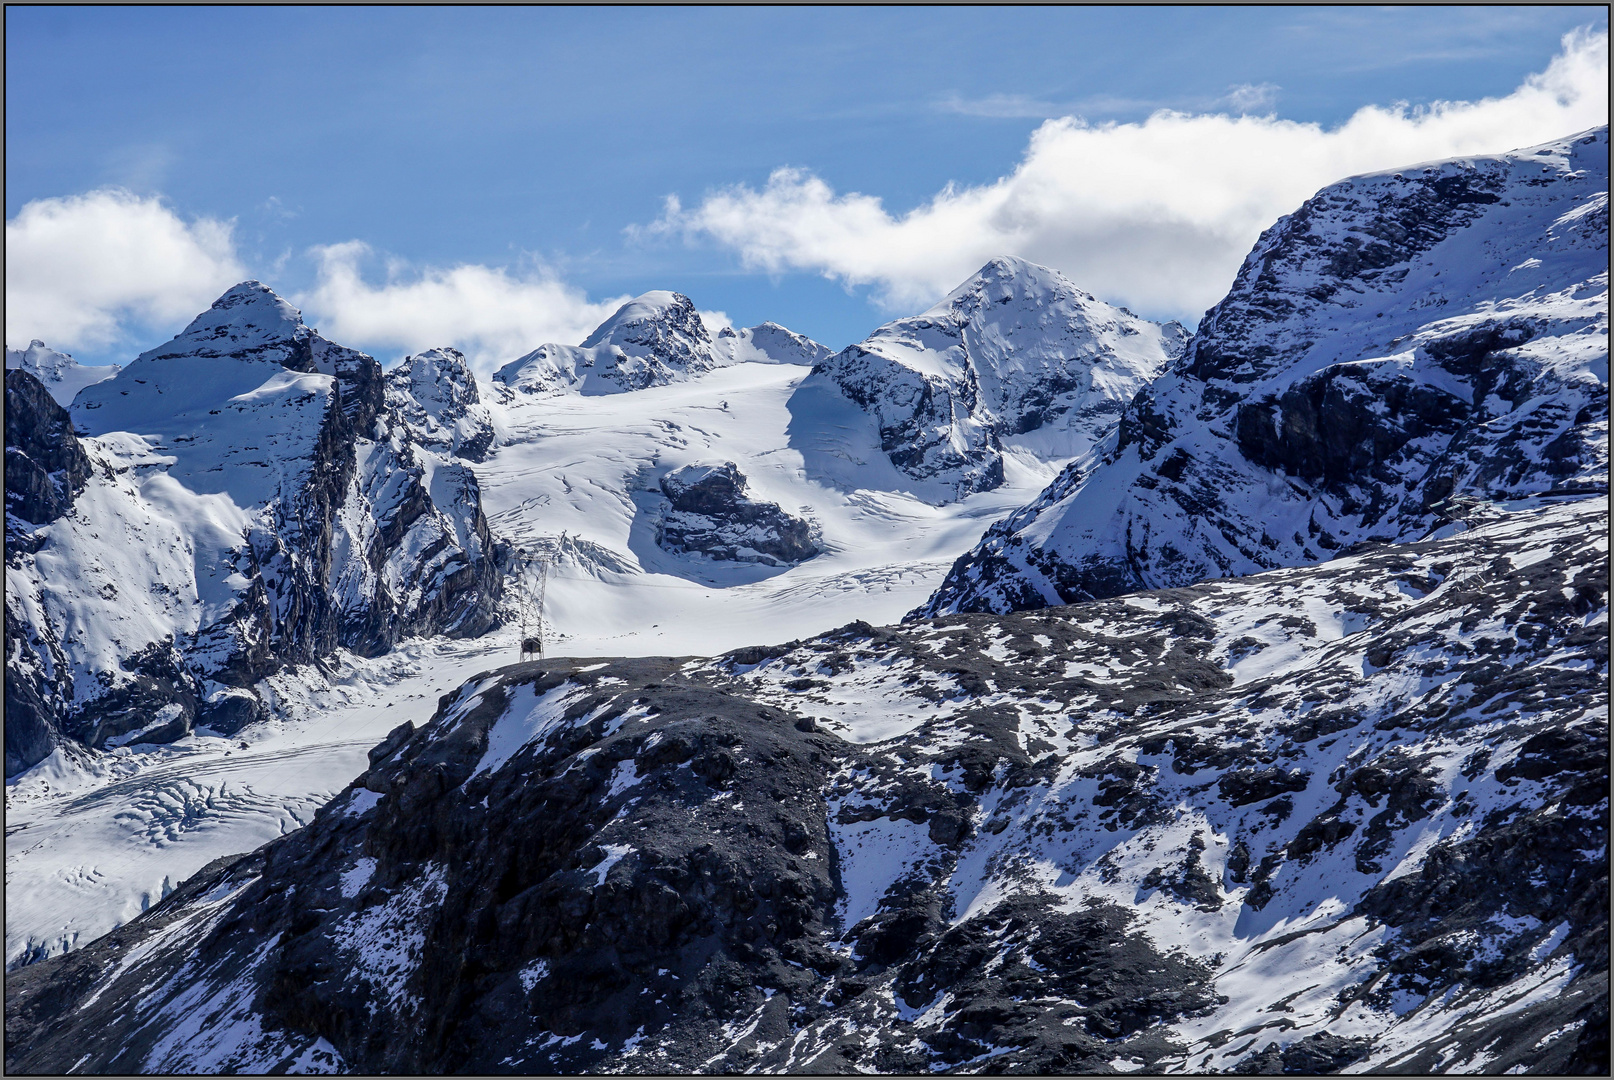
(81, 271)
(488, 313)
(1156, 214)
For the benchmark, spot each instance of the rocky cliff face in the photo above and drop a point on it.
(46, 466)
(711, 513)
(1016, 353)
(46, 469)
(1404, 342)
(251, 501)
(1351, 814)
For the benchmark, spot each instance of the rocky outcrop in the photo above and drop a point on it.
(250, 500)
(710, 513)
(435, 394)
(46, 467)
(1403, 342)
(1087, 838)
(1016, 353)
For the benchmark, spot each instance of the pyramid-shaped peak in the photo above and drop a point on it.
(254, 302)
(1008, 266)
(1009, 277)
(246, 319)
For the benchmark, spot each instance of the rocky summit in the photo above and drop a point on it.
(1015, 353)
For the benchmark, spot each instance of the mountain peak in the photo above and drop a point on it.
(647, 318)
(1009, 277)
(248, 317)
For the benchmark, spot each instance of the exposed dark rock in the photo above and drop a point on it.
(711, 514)
(46, 467)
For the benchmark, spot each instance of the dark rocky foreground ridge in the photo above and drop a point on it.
(1352, 814)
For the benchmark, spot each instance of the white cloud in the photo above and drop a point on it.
(1252, 97)
(1156, 214)
(80, 270)
(486, 312)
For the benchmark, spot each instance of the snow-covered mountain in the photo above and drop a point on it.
(1403, 342)
(768, 343)
(250, 501)
(1329, 817)
(1017, 355)
(435, 394)
(652, 340)
(1347, 813)
(63, 376)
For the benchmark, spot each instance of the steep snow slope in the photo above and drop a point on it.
(250, 502)
(1404, 339)
(1351, 815)
(63, 376)
(1016, 355)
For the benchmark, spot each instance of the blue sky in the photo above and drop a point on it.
(538, 147)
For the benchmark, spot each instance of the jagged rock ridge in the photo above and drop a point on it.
(251, 501)
(1405, 339)
(1015, 353)
(1352, 814)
